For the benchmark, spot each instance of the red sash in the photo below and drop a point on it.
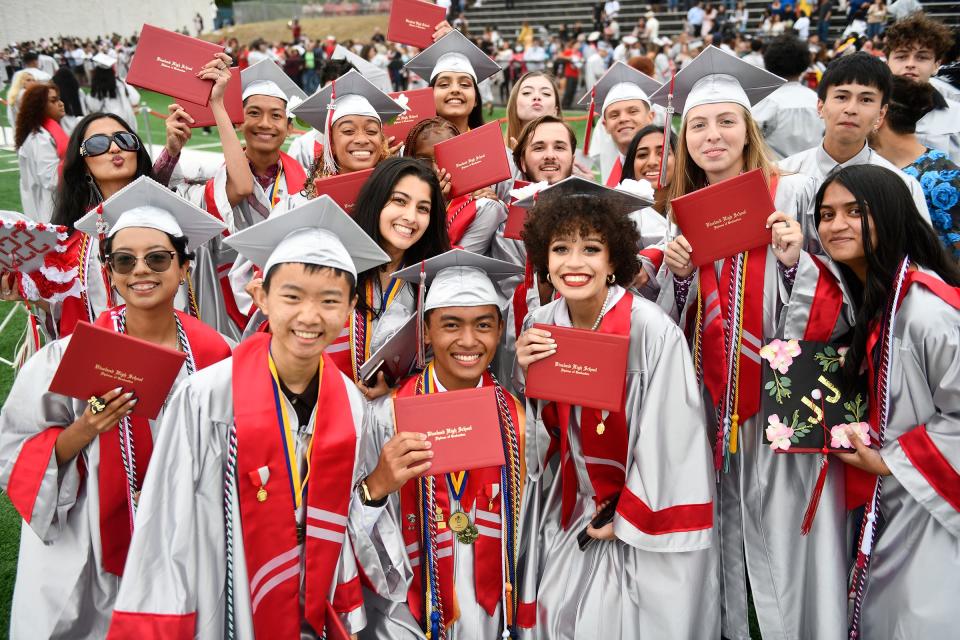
(269, 528)
(599, 449)
(60, 138)
(317, 152)
(488, 556)
(615, 173)
(207, 347)
(295, 178)
(461, 212)
(860, 484)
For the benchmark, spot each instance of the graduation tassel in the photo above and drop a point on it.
(102, 236)
(665, 152)
(814, 502)
(421, 350)
(192, 296)
(590, 114)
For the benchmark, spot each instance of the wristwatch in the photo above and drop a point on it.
(365, 498)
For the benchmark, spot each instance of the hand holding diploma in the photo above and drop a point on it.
(405, 456)
(677, 257)
(787, 237)
(532, 345)
(89, 425)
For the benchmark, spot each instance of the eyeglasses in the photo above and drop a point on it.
(99, 143)
(124, 263)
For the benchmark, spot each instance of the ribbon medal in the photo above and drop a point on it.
(259, 479)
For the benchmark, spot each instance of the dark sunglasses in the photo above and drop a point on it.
(124, 263)
(99, 143)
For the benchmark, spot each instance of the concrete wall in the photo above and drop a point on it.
(35, 19)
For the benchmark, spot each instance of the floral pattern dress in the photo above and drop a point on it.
(940, 181)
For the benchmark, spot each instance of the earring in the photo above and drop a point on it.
(612, 278)
(182, 280)
(549, 280)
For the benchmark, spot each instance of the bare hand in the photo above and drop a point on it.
(677, 257)
(178, 129)
(534, 344)
(641, 280)
(865, 457)
(787, 237)
(118, 405)
(379, 388)
(444, 179)
(217, 70)
(486, 192)
(393, 149)
(603, 533)
(442, 29)
(404, 457)
(582, 171)
(9, 287)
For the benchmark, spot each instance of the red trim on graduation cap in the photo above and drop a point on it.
(924, 455)
(29, 469)
(152, 626)
(590, 116)
(675, 519)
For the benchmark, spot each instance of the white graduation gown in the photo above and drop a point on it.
(789, 120)
(39, 175)
(123, 105)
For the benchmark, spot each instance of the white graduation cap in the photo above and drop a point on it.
(146, 203)
(318, 232)
(716, 76)
(266, 78)
(455, 53)
(377, 76)
(349, 95)
(621, 82)
(104, 60)
(460, 278)
(629, 198)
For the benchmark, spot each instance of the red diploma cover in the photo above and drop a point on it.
(419, 106)
(344, 188)
(589, 369)
(232, 100)
(726, 218)
(168, 62)
(463, 426)
(98, 360)
(474, 159)
(516, 216)
(413, 21)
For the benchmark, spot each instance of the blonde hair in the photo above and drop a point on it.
(688, 176)
(514, 125)
(16, 86)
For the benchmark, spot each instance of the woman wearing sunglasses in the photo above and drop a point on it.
(60, 458)
(102, 157)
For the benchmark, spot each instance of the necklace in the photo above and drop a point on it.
(603, 309)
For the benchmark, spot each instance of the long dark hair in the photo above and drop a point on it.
(103, 83)
(373, 198)
(32, 112)
(900, 231)
(631, 155)
(475, 119)
(66, 81)
(78, 191)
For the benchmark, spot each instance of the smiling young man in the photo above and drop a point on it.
(625, 109)
(853, 96)
(244, 519)
(914, 48)
(473, 514)
(255, 176)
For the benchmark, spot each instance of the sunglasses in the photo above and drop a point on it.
(124, 263)
(99, 143)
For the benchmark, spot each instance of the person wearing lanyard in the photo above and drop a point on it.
(462, 544)
(245, 517)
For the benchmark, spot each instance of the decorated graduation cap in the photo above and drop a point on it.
(621, 82)
(454, 53)
(716, 76)
(318, 233)
(628, 197)
(266, 78)
(349, 95)
(145, 203)
(457, 278)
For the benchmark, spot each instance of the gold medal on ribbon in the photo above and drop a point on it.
(262, 495)
(469, 534)
(458, 521)
(601, 428)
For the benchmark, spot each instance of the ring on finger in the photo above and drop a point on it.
(97, 404)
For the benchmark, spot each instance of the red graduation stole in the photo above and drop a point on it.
(615, 173)
(317, 152)
(60, 138)
(859, 484)
(351, 349)
(269, 526)
(207, 347)
(294, 177)
(488, 555)
(461, 212)
(606, 445)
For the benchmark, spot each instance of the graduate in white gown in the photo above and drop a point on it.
(41, 147)
(474, 513)
(242, 531)
(905, 289)
(60, 458)
(797, 582)
(651, 572)
(110, 94)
